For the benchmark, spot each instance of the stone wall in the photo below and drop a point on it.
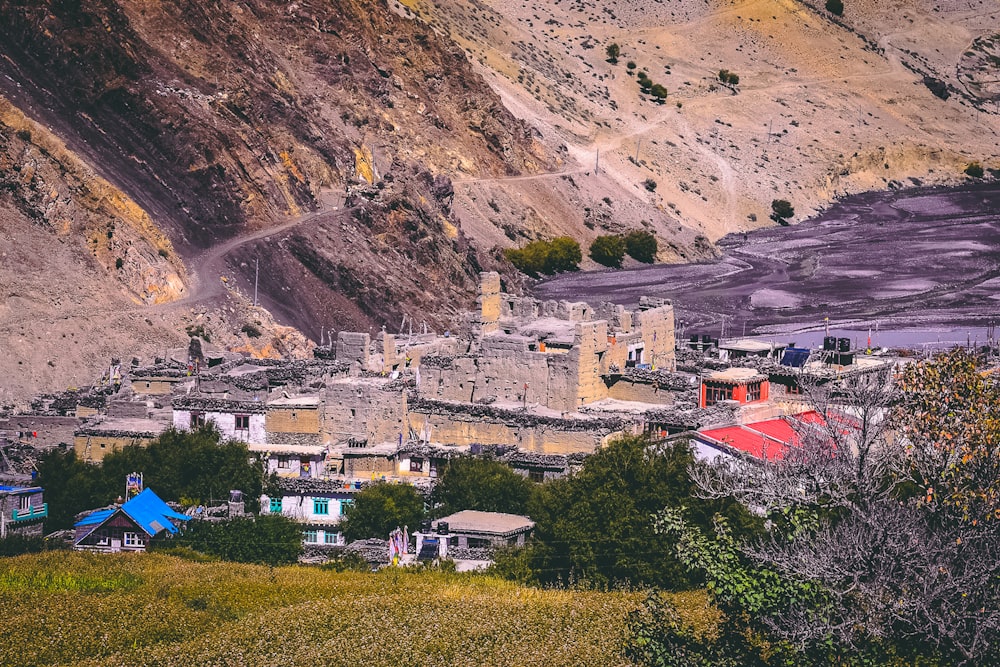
(93, 448)
(362, 411)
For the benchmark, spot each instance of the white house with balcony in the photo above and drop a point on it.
(235, 420)
(315, 503)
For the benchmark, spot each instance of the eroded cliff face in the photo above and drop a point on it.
(229, 114)
(145, 135)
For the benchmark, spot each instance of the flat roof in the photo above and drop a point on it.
(737, 375)
(295, 401)
(750, 345)
(313, 450)
(498, 523)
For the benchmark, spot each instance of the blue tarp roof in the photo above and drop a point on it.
(146, 509)
(154, 515)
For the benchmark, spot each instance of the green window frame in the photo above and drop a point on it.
(275, 505)
(321, 506)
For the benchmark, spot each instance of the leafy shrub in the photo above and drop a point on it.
(119, 263)
(649, 184)
(271, 539)
(731, 78)
(15, 545)
(480, 484)
(24, 135)
(548, 257)
(630, 64)
(835, 7)
(658, 91)
(781, 211)
(974, 169)
(380, 508)
(613, 51)
(641, 246)
(608, 250)
(162, 252)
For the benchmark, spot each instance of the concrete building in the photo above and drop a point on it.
(316, 504)
(472, 533)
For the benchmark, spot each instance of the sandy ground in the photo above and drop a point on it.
(923, 259)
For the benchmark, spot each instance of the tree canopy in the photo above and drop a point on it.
(270, 539)
(480, 484)
(781, 211)
(641, 246)
(190, 466)
(560, 254)
(609, 250)
(596, 526)
(381, 508)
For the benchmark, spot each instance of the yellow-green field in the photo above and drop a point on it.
(152, 609)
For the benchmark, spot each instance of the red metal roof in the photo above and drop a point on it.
(773, 436)
(748, 441)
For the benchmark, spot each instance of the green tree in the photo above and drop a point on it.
(608, 250)
(564, 255)
(197, 465)
(781, 211)
(380, 508)
(548, 257)
(658, 91)
(613, 51)
(270, 539)
(71, 486)
(835, 7)
(729, 78)
(641, 246)
(480, 484)
(596, 525)
(885, 531)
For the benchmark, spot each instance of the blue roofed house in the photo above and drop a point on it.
(127, 527)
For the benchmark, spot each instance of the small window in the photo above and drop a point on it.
(132, 540)
(25, 503)
(416, 465)
(242, 422)
(344, 504)
(310, 536)
(329, 538)
(101, 538)
(536, 475)
(197, 420)
(321, 506)
(275, 505)
(283, 462)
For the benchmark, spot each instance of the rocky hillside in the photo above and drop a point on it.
(886, 95)
(146, 136)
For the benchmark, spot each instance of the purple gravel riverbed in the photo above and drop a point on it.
(922, 266)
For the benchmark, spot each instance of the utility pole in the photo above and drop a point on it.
(597, 164)
(637, 145)
(256, 279)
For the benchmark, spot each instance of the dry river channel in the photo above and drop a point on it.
(919, 267)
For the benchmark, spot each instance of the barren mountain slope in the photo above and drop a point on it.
(824, 105)
(218, 121)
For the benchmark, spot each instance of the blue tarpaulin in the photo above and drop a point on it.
(146, 509)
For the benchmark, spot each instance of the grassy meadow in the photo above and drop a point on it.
(153, 609)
